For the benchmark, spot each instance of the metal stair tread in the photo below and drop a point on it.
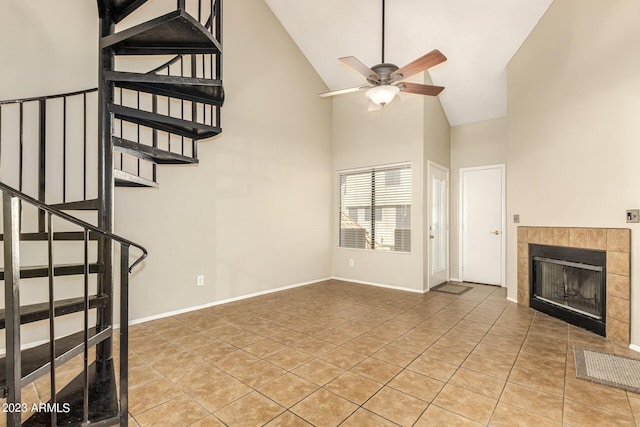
(208, 91)
(151, 154)
(126, 179)
(175, 33)
(30, 272)
(57, 236)
(40, 311)
(35, 360)
(173, 125)
(103, 399)
(120, 9)
(79, 205)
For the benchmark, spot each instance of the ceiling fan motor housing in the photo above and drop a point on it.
(384, 72)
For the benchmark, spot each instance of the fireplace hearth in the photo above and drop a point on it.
(570, 284)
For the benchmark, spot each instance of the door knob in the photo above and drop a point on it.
(496, 232)
(431, 236)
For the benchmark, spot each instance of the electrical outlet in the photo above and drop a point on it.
(200, 280)
(351, 263)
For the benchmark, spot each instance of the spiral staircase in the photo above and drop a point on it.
(50, 150)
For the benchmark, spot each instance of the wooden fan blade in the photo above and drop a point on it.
(356, 65)
(432, 58)
(343, 91)
(420, 89)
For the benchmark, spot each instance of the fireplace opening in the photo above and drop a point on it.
(569, 283)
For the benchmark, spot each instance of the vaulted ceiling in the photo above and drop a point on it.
(478, 38)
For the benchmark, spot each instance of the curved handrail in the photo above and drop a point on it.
(76, 221)
(39, 98)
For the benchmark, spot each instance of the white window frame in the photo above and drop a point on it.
(361, 235)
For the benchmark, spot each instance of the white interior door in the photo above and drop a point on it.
(483, 222)
(438, 232)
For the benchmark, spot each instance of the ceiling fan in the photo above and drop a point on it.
(385, 79)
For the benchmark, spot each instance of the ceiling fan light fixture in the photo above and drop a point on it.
(383, 94)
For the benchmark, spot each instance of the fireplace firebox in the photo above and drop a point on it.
(569, 284)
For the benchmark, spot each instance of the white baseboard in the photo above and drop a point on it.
(634, 347)
(380, 285)
(454, 279)
(515, 300)
(186, 310)
(220, 302)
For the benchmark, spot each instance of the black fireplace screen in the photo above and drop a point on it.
(570, 284)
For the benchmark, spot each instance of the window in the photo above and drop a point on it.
(375, 208)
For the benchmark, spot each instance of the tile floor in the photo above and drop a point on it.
(337, 353)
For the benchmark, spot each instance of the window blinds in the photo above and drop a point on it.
(375, 208)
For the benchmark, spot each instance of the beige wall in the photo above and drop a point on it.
(411, 129)
(573, 128)
(253, 215)
(474, 144)
(362, 139)
(40, 55)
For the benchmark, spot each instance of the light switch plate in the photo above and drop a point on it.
(633, 215)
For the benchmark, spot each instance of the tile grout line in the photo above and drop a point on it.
(474, 347)
(512, 365)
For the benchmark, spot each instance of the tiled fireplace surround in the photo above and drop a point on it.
(615, 241)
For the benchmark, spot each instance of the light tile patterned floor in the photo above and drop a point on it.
(337, 353)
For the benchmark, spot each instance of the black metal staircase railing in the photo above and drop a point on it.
(97, 378)
(34, 124)
(188, 87)
(150, 118)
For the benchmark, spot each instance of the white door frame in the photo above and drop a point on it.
(431, 165)
(503, 197)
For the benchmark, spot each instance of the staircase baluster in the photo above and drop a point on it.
(124, 332)
(21, 124)
(0, 132)
(138, 135)
(64, 149)
(52, 333)
(218, 57)
(12, 304)
(42, 154)
(84, 146)
(121, 131)
(219, 38)
(21, 163)
(121, 121)
(168, 114)
(85, 409)
(0, 138)
(154, 134)
(194, 112)
(204, 72)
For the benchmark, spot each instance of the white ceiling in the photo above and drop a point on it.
(478, 38)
